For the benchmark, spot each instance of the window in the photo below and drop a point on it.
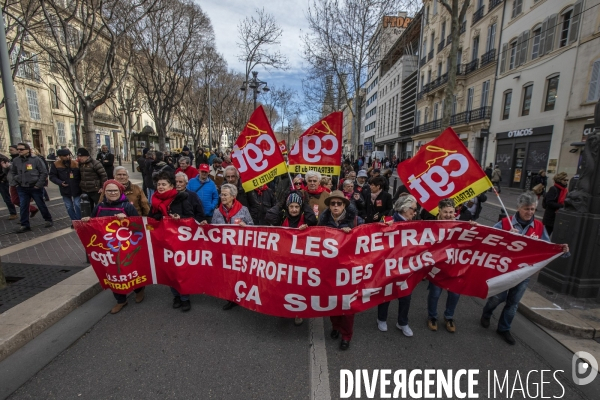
(439, 70)
(513, 53)
(535, 48)
(54, 96)
(491, 38)
(454, 104)
(418, 117)
(528, 92)
(426, 115)
(470, 98)
(459, 57)
(435, 111)
(551, 93)
(53, 65)
(594, 91)
(429, 76)
(432, 40)
(60, 132)
(73, 135)
(427, 16)
(506, 108)
(485, 90)
(475, 52)
(443, 31)
(422, 81)
(566, 24)
(435, 7)
(517, 8)
(32, 102)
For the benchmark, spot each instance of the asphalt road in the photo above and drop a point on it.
(151, 351)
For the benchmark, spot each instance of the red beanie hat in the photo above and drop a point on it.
(114, 182)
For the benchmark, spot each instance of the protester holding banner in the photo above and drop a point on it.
(339, 216)
(524, 223)
(316, 193)
(379, 203)
(405, 210)
(134, 193)
(232, 176)
(446, 213)
(116, 204)
(206, 190)
(181, 181)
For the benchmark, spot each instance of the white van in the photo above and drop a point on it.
(380, 155)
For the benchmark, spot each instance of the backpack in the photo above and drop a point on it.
(155, 173)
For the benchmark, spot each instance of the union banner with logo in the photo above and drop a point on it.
(282, 147)
(256, 153)
(443, 168)
(316, 272)
(319, 148)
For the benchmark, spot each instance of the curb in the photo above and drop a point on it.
(574, 322)
(24, 322)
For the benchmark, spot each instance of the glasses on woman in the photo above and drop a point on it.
(335, 203)
(297, 184)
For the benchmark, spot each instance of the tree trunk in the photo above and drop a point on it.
(2, 278)
(162, 137)
(89, 131)
(451, 85)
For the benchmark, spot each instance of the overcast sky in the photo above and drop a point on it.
(289, 14)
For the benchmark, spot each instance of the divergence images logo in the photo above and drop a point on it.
(583, 363)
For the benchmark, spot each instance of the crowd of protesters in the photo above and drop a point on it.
(205, 186)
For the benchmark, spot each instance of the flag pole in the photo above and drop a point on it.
(502, 204)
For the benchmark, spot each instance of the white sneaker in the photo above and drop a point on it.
(382, 325)
(405, 329)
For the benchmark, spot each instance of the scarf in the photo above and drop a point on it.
(340, 218)
(319, 190)
(348, 195)
(260, 190)
(294, 222)
(227, 214)
(162, 201)
(562, 193)
(522, 222)
(374, 196)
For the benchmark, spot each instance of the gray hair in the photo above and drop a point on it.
(316, 174)
(404, 203)
(348, 182)
(527, 199)
(184, 159)
(182, 175)
(231, 168)
(232, 189)
(120, 167)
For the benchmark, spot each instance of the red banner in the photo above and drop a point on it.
(282, 147)
(319, 148)
(256, 154)
(443, 168)
(311, 273)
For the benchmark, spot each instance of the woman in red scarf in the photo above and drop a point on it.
(168, 202)
(555, 200)
(316, 193)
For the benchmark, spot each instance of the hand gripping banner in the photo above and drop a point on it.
(443, 168)
(319, 148)
(256, 153)
(312, 273)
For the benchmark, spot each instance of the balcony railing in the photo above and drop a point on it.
(478, 15)
(423, 61)
(460, 70)
(430, 55)
(472, 66)
(463, 27)
(494, 4)
(429, 126)
(457, 119)
(460, 118)
(488, 57)
(481, 113)
(106, 118)
(441, 45)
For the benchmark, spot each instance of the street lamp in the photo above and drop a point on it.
(288, 129)
(256, 85)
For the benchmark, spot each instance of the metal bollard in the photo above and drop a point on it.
(395, 185)
(86, 208)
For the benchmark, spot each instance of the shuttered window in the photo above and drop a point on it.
(594, 92)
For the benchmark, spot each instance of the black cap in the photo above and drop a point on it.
(83, 152)
(63, 152)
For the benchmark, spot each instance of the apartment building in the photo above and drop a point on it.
(477, 60)
(540, 105)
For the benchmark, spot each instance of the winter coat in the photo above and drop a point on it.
(180, 206)
(243, 214)
(196, 206)
(69, 174)
(278, 213)
(136, 197)
(93, 175)
(201, 159)
(349, 221)
(264, 202)
(207, 193)
(551, 206)
(496, 175)
(382, 206)
(217, 176)
(111, 208)
(248, 201)
(153, 169)
(108, 162)
(318, 200)
(28, 171)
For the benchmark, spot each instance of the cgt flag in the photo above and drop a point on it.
(282, 147)
(319, 148)
(443, 168)
(256, 154)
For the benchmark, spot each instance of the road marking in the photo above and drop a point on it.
(319, 371)
(555, 308)
(34, 241)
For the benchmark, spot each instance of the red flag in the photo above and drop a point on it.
(256, 154)
(320, 147)
(443, 168)
(282, 147)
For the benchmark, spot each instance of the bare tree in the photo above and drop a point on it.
(457, 15)
(127, 105)
(169, 46)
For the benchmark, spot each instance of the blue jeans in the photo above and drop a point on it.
(403, 307)
(183, 297)
(4, 190)
(73, 207)
(149, 195)
(512, 297)
(25, 196)
(432, 302)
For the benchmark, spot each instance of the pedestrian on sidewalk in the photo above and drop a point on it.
(555, 200)
(339, 216)
(116, 204)
(497, 178)
(405, 210)
(539, 184)
(93, 176)
(29, 174)
(65, 173)
(524, 223)
(107, 159)
(5, 187)
(12, 190)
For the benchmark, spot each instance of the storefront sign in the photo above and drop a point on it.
(587, 130)
(524, 132)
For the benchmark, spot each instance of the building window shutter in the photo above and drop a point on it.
(550, 36)
(594, 92)
(575, 21)
(504, 56)
(518, 52)
(543, 37)
(524, 47)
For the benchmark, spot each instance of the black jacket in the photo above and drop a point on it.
(264, 202)
(278, 213)
(29, 171)
(382, 206)
(196, 206)
(110, 208)
(551, 206)
(350, 221)
(200, 159)
(249, 201)
(108, 162)
(180, 206)
(152, 170)
(66, 173)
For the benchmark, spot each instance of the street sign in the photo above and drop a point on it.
(368, 145)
